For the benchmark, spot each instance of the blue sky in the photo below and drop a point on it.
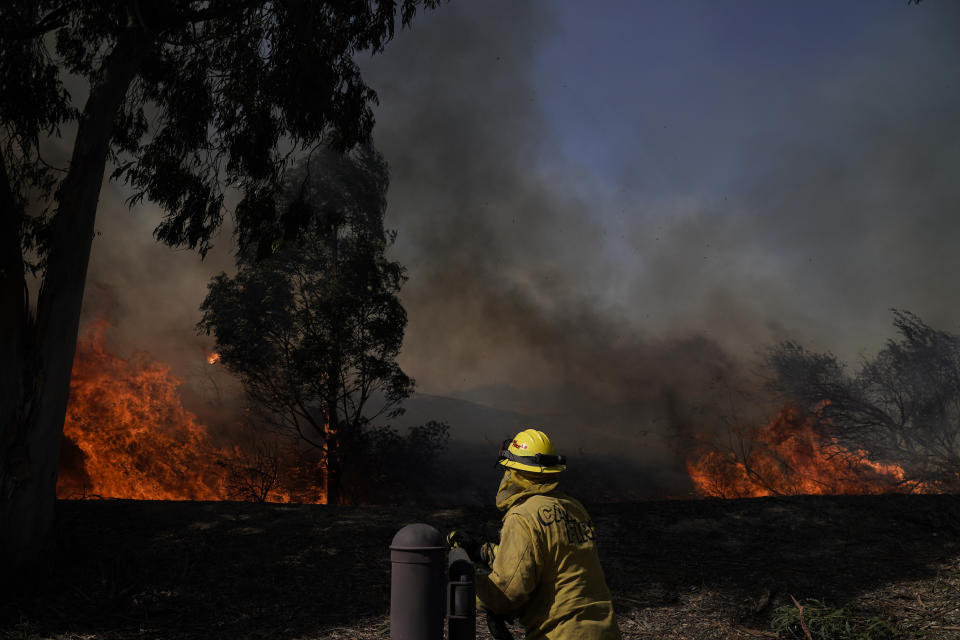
(685, 84)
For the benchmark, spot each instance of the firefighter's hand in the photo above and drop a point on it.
(457, 539)
(488, 551)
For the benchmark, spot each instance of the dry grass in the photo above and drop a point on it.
(692, 570)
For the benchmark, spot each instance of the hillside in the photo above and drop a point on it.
(678, 569)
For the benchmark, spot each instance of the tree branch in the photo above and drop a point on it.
(50, 22)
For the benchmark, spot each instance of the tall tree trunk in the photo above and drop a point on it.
(334, 474)
(30, 461)
(334, 461)
(15, 332)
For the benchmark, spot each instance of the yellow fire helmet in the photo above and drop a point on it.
(531, 450)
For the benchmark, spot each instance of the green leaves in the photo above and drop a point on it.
(313, 325)
(225, 85)
(825, 622)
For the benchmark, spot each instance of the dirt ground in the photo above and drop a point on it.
(703, 569)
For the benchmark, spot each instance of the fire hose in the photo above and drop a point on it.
(482, 555)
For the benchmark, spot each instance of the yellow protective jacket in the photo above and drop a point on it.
(546, 571)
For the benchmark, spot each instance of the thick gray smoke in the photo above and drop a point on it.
(510, 291)
(624, 312)
(630, 321)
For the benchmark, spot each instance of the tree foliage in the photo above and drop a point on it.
(313, 330)
(222, 93)
(384, 466)
(186, 100)
(903, 405)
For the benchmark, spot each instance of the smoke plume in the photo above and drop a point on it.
(750, 200)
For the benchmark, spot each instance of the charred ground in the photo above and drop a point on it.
(678, 569)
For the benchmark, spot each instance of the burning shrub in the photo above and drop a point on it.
(892, 427)
(794, 454)
(903, 406)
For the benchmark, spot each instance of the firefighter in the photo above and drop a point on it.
(545, 571)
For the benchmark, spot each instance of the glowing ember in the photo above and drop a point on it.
(791, 456)
(127, 435)
(213, 358)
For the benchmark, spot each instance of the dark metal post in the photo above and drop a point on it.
(461, 597)
(416, 583)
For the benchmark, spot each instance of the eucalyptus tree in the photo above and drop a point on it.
(313, 330)
(184, 100)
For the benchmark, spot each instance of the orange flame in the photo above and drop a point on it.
(127, 435)
(136, 438)
(792, 455)
(213, 357)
